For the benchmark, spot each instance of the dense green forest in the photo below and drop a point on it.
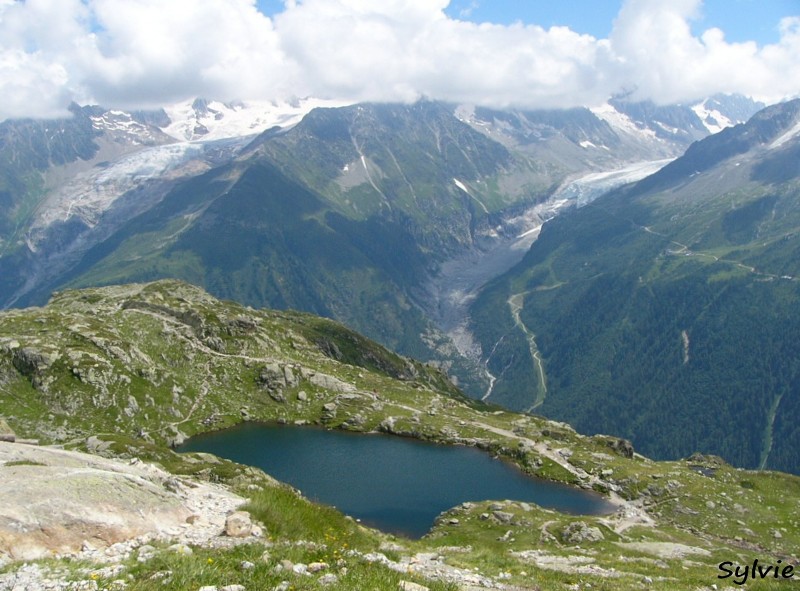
(666, 313)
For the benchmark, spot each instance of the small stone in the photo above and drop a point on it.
(282, 586)
(328, 579)
(503, 516)
(286, 564)
(181, 549)
(300, 569)
(315, 567)
(208, 588)
(409, 586)
(233, 588)
(266, 556)
(453, 521)
(302, 396)
(146, 552)
(246, 565)
(238, 525)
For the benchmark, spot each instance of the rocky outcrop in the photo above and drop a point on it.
(275, 378)
(579, 532)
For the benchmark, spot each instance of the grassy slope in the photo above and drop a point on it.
(192, 363)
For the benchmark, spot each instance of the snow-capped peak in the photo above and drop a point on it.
(215, 120)
(713, 119)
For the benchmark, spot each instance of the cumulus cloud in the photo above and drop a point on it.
(661, 59)
(143, 53)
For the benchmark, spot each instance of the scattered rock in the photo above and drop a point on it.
(181, 549)
(145, 553)
(503, 516)
(328, 579)
(409, 586)
(300, 569)
(238, 525)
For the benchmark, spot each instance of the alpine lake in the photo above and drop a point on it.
(395, 484)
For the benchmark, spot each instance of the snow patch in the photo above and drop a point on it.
(793, 132)
(461, 186)
(216, 120)
(621, 121)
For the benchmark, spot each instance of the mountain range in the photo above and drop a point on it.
(666, 311)
(391, 218)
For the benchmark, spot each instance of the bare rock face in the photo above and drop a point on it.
(56, 501)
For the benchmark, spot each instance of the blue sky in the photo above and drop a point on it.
(741, 20)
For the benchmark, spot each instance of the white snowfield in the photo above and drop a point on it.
(621, 122)
(227, 120)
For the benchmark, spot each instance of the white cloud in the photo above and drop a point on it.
(663, 61)
(128, 53)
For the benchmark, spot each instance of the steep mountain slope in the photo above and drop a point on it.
(352, 212)
(124, 370)
(666, 311)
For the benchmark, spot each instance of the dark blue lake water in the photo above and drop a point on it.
(395, 484)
